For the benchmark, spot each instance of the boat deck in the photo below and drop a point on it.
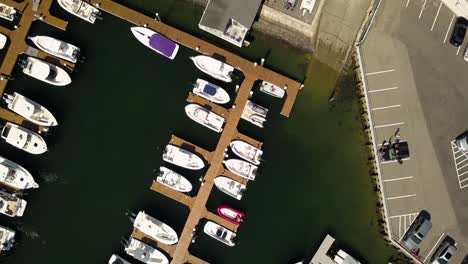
(17, 46)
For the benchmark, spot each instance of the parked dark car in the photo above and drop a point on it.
(459, 31)
(395, 151)
(444, 254)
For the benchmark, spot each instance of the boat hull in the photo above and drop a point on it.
(212, 229)
(115, 259)
(272, 89)
(182, 158)
(24, 139)
(155, 229)
(205, 117)
(8, 12)
(211, 92)
(173, 180)
(246, 151)
(58, 48)
(241, 168)
(46, 72)
(30, 110)
(156, 42)
(230, 187)
(23, 178)
(19, 208)
(230, 214)
(3, 41)
(145, 253)
(213, 67)
(82, 10)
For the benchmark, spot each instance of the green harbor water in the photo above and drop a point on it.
(120, 111)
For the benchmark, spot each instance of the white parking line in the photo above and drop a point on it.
(401, 197)
(378, 72)
(395, 216)
(381, 90)
(458, 50)
(461, 174)
(463, 180)
(392, 161)
(407, 3)
(398, 179)
(422, 9)
(385, 107)
(432, 249)
(448, 29)
(460, 170)
(437, 15)
(394, 124)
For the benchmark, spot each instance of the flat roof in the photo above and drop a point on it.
(218, 13)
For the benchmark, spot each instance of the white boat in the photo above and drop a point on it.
(46, 72)
(24, 139)
(7, 239)
(211, 92)
(29, 109)
(241, 168)
(230, 187)
(3, 41)
(213, 67)
(7, 12)
(156, 42)
(220, 233)
(15, 176)
(116, 259)
(155, 229)
(11, 205)
(144, 252)
(58, 48)
(173, 180)
(254, 113)
(272, 89)
(80, 9)
(205, 117)
(246, 151)
(183, 158)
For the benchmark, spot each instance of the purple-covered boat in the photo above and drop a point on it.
(156, 42)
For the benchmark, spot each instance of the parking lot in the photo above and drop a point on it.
(418, 92)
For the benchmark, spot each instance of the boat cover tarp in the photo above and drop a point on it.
(162, 44)
(209, 89)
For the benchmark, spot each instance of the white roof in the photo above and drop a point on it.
(40, 69)
(17, 137)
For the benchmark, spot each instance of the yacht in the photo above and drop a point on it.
(220, 233)
(155, 229)
(241, 168)
(246, 151)
(213, 67)
(23, 138)
(145, 253)
(173, 180)
(205, 117)
(230, 187)
(183, 158)
(230, 214)
(58, 48)
(3, 41)
(29, 109)
(15, 176)
(80, 9)
(116, 259)
(46, 72)
(272, 89)
(7, 239)
(156, 42)
(211, 92)
(11, 205)
(254, 113)
(7, 12)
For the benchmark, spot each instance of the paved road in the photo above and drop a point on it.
(418, 86)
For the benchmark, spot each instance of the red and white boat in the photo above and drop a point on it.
(231, 214)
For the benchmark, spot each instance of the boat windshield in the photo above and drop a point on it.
(209, 90)
(52, 74)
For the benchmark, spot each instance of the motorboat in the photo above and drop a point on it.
(213, 67)
(144, 253)
(46, 72)
(272, 89)
(173, 180)
(7, 239)
(3, 41)
(56, 47)
(241, 168)
(205, 117)
(220, 233)
(230, 187)
(155, 229)
(29, 109)
(11, 205)
(116, 259)
(7, 12)
(254, 113)
(211, 92)
(15, 176)
(246, 151)
(230, 214)
(23, 138)
(156, 42)
(80, 9)
(183, 158)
